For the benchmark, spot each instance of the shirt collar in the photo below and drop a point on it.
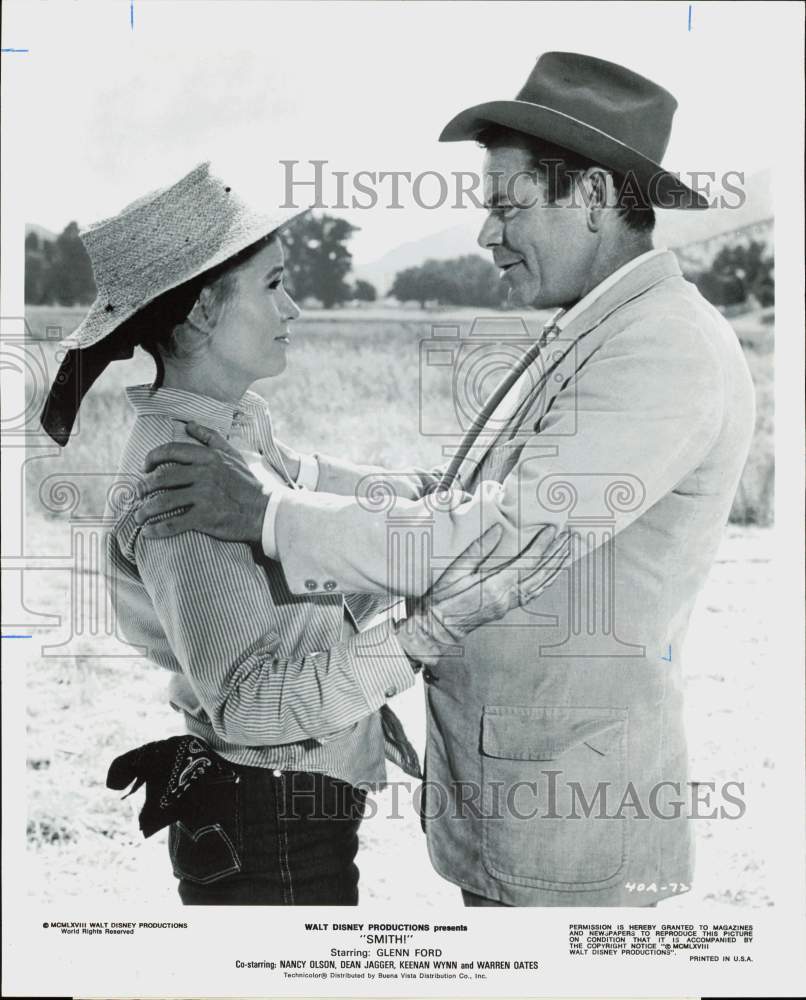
(184, 405)
(564, 317)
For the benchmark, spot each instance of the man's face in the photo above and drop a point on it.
(544, 251)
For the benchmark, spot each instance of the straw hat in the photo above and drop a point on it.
(162, 240)
(157, 243)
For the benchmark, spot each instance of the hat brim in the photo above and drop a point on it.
(99, 323)
(662, 188)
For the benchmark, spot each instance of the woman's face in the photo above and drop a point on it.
(251, 334)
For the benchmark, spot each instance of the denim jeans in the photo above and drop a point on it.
(270, 838)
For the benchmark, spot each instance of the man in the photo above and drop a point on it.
(613, 450)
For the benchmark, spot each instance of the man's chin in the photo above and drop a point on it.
(523, 296)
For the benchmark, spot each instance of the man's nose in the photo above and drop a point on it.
(492, 232)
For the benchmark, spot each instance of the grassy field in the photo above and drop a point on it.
(353, 389)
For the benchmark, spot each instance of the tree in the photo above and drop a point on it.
(462, 281)
(473, 281)
(317, 258)
(71, 274)
(410, 285)
(364, 291)
(737, 272)
(58, 271)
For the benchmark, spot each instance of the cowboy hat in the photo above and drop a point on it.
(598, 109)
(154, 245)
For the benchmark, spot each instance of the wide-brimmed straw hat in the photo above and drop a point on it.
(595, 108)
(159, 242)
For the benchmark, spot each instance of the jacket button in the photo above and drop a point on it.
(311, 585)
(329, 584)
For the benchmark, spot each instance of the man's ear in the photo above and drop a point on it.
(599, 185)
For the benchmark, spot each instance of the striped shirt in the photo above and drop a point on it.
(268, 678)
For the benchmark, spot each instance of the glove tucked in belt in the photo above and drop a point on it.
(174, 772)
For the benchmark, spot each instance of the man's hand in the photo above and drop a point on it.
(212, 480)
(474, 591)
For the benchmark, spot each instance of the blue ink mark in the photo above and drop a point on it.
(689, 16)
(15, 50)
(16, 637)
(669, 657)
(131, 14)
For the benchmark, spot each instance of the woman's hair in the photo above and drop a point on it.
(154, 327)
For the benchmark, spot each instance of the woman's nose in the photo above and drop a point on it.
(292, 309)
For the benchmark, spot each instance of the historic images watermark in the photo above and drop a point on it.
(549, 795)
(314, 184)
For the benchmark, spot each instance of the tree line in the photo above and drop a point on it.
(318, 265)
(463, 281)
(738, 275)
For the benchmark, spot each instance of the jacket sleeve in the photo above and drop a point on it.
(214, 605)
(638, 417)
(349, 479)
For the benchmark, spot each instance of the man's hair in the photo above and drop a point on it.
(559, 167)
(156, 323)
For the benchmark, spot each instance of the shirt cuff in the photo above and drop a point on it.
(307, 478)
(267, 539)
(308, 475)
(381, 667)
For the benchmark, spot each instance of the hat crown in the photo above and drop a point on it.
(609, 97)
(162, 235)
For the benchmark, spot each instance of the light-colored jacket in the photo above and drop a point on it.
(556, 753)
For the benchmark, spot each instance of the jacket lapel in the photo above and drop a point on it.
(471, 451)
(543, 374)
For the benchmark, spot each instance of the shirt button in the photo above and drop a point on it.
(277, 774)
(329, 584)
(311, 585)
(390, 692)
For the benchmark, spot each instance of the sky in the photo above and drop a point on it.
(99, 111)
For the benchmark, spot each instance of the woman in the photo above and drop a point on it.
(283, 699)
(282, 696)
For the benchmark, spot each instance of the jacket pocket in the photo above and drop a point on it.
(552, 782)
(206, 844)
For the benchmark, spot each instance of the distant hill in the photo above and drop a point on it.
(673, 229)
